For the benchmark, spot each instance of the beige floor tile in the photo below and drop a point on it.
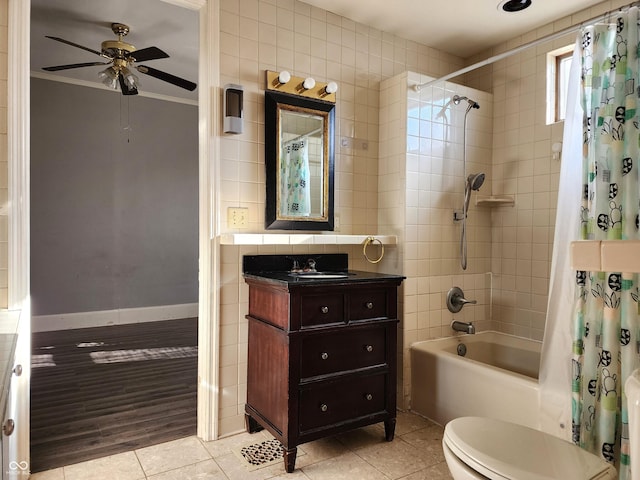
(435, 472)
(414, 454)
(362, 437)
(395, 459)
(207, 470)
(235, 469)
(428, 442)
(55, 474)
(317, 451)
(224, 446)
(297, 474)
(345, 467)
(124, 466)
(408, 422)
(172, 455)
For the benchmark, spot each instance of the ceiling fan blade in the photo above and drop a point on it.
(74, 65)
(150, 53)
(126, 89)
(167, 77)
(58, 39)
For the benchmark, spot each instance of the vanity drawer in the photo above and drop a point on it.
(342, 350)
(368, 303)
(349, 398)
(321, 309)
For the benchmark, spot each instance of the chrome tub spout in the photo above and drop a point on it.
(466, 327)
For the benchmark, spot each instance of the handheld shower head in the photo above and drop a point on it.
(474, 182)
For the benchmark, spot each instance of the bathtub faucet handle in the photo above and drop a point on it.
(456, 300)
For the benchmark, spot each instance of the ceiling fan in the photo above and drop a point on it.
(123, 57)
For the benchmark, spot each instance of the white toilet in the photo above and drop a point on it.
(480, 448)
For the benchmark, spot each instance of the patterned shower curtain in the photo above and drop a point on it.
(295, 191)
(606, 322)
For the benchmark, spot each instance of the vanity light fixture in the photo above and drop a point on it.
(331, 87)
(282, 79)
(308, 84)
(284, 82)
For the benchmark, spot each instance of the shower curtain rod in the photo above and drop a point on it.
(500, 56)
(309, 134)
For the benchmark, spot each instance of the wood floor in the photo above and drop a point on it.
(105, 390)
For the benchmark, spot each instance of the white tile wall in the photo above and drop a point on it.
(259, 35)
(422, 148)
(522, 237)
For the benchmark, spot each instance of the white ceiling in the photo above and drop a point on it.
(459, 27)
(88, 23)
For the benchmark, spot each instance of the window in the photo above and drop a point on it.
(558, 68)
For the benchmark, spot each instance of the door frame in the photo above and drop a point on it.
(18, 129)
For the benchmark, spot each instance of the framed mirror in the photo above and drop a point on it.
(299, 159)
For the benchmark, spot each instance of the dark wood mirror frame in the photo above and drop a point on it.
(274, 103)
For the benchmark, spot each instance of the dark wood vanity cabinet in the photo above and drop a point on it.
(322, 358)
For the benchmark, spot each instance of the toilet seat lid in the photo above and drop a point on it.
(503, 450)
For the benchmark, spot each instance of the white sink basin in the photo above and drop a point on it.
(321, 275)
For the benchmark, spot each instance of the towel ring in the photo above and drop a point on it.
(367, 242)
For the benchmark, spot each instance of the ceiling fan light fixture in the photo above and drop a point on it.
(109, 77)
(511, 6)
(130, 79)
(122, 58)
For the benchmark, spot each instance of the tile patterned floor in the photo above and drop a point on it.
(415, 454)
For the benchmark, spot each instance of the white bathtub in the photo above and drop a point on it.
(497, 378)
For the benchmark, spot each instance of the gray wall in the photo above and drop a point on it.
(114, 212)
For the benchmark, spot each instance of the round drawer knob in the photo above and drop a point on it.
(323, 407)
(369, 348)
(324, 355)
(324, 309)
(8, 427)
(369, 305)
(368, 396)
(17, 370)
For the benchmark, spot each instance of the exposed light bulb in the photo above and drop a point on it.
(331, 87)
(308, 83)
(283, 78)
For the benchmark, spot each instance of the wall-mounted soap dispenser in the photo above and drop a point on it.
(232, 108)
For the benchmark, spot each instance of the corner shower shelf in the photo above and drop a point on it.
(495, 201)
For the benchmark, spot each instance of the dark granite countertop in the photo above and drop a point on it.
(353, 276)
(335, 266)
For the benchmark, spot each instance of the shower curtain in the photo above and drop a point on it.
(295, 191)
(606, 324)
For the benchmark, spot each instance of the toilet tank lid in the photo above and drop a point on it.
(504, 450)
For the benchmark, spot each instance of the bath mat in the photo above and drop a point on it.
(260, 455)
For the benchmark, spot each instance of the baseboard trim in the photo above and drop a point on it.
(103, 318)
